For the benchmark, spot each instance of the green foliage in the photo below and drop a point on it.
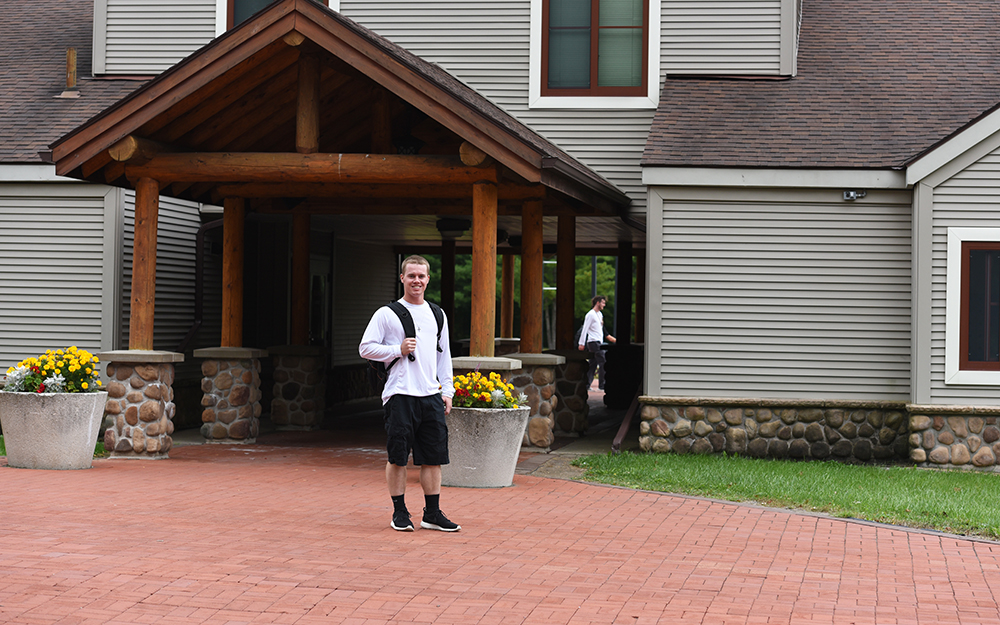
(960, 502)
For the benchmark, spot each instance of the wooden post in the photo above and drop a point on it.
(381, 124)
(640, 297)
(565, 281)
(623, 294)
(531, 278)
(234, 210)
(147, 201)
(507, 296)
(307, 113)
(448, 277)
(484, 269)
(300, 279)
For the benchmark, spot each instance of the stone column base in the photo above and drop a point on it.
(140, 398)
(231, 387)
(572, 412)
(536, 379)
(299, 387)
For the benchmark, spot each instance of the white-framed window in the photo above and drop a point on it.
(594, 54)
(972, 318)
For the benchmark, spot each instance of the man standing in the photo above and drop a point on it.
(591, 336)
(417, 395)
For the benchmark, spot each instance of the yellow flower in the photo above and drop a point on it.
(88, 370)
(84, 385)
(58, 372)
(99, 383)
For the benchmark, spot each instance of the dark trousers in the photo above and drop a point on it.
(597, 359)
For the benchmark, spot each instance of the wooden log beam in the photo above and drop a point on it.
(508, 191)
(307, 112)
(233, 216)
(147, 199)
(531, 278)
(484, 270)
(565, 281)
(507, 295)
(473, 156)
(623, 294)
(290, 167)
(300, 278)
(381, 124)
(137, 150)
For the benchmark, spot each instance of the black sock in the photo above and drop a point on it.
(398, 505)
(431, 503)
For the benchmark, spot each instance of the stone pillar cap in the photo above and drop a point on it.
(140, 355)
(485, 363)
(539, 359)
(230, 353)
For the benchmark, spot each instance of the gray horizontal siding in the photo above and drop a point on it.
(365, 278)
(149, 36)
(721, 37)
(486, 45)
(777, 295)
(970, 199)
(52, 269)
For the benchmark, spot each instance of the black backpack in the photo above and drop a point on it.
(378, 372)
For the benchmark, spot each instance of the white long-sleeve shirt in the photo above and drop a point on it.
(593, 328)
(430, 372)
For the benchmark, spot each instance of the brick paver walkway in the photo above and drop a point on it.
(300, 534)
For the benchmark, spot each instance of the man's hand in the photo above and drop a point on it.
(408, 346)
(580, 347)
(612, 339)
(447, 405)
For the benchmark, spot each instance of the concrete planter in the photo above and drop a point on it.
(51, 430)
(483, 444)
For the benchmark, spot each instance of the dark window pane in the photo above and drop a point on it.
(984, 305)
(242, 9)
(569, 58)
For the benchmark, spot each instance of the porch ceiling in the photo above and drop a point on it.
(237, 100)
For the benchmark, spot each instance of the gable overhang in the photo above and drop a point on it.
(975, 135)
(274, 39)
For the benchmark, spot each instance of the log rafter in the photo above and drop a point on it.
(292, 167)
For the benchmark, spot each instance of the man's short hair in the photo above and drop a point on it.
(596, 299)
(414, 260)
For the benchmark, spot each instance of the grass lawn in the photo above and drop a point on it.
(958, 502)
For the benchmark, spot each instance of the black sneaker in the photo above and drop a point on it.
(438, 521)
(401, 521)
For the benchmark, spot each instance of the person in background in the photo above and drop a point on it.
(591, 337)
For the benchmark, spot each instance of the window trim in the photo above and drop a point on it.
(652, 79)
(954, 343)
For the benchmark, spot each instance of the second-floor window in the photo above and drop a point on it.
(240, 10)
(594, 47)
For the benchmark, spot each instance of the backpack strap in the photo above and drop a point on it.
(439, 317)
(409, 330)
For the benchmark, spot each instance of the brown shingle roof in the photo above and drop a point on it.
(33, 71)
(878, 83)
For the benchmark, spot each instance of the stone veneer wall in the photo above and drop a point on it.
(140, 400)
(231, 400)
(537, 382)
(959, 437)
(299, 392)
(807, 430)
(572, 410)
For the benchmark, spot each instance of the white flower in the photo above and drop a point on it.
(55, 384)
(15, 380)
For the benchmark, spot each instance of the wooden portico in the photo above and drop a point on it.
(301, 112)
